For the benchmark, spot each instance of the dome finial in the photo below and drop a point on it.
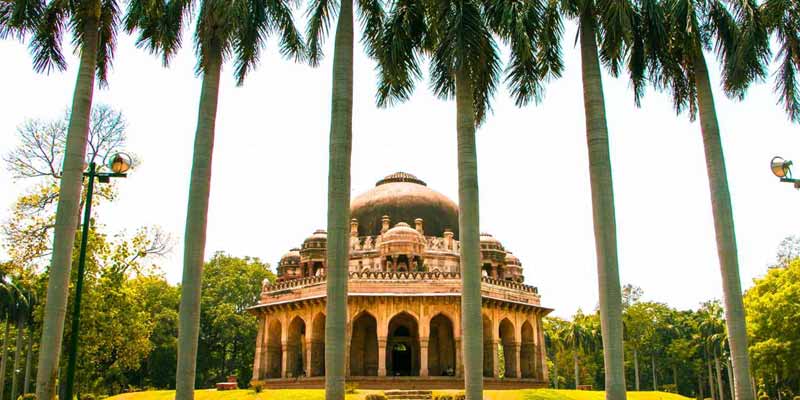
(400, 177)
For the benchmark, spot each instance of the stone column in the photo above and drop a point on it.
(459, 358)
(495, 359)
(381, 355)
(309, 347)
(284, 358)
(541, 355)
(423, 356)
(259, 350)
(518, 350)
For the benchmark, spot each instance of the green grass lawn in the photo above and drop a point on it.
(319, 394)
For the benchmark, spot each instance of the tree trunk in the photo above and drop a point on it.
(725, 233)
(720, 387)
(605, 231)
(655, 379)
(711, 389)
(195, 234)
(4, 360)
(469, 234)
(700, 386)
(675, 378)
(577, 369)
(555, 370)
(636, 367)
(26, 386)
(730, 379)
(67, 214)
(340, 149)
(17, 354)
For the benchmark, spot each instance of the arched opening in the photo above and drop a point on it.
(509, 351)
(318, 346)
(402, 346)
(488, 348)
(441, 347)
(527, 353)
(296, 348)
(364, 346)
(274, 353)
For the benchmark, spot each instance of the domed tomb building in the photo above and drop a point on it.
(404, 301)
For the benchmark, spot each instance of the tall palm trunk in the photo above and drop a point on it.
(726, 236)
(26, 386)
(720, 387)
(605, 231)
(636, 367)
(655, 379)
(195, 235)
(340, 149)
(67, 214)
(17, 357)
(711, 389)
(700, 386)
(730, 378)
(4, 361)
(577, 369)
(469, 234)
(675, 377)
(555, 370)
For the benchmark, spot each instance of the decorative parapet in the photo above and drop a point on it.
(432, 243)
(511, 285)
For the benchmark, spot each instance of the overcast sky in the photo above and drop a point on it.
(270, 167)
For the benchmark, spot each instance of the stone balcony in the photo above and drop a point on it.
(398, 284)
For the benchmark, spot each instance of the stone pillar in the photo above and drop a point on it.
(418, 226)
(448, 239)
(384, 224)
(354, 227)
(541, 355)
(459, 358)
(423, 356)
(381, 355)
(494, 272)
(518, 367)
(495, 359)
(309, 347)
(259, 350)
(284, 358)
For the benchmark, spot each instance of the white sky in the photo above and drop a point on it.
(270, 167)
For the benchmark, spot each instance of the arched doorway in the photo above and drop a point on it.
(402, 346)
(364, 346)
(274, 353)
(527, 353)
(317, 366)
(488, 348)
(296, 348)
(509, 351)
(441, 347)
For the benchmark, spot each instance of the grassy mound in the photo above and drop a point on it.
(319, 394)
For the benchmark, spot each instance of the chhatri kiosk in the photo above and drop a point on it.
(404, 302)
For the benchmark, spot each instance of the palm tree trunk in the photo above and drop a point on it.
(17, 354)
(636, 367)
(675, 377)
(195, 234)
(4, 361)
(726, 236)
(555, 370)
(700, 386)
(577, 370)
(340, 149)
(67, 214)
(720, 387)
(26, 386)
(711, 389)
(605, 231)
(469, 234)
(730, 378)
(655, 379)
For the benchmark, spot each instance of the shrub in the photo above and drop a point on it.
(375, 396)
(444, 397)
(27, 396)
(257, 387)
(459, 396)
(350, 388)
(763, 397)
(86, 396)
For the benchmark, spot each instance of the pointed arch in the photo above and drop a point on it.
(402, 345)
(317, 367)
(364, 345)
(507, 340)
(488, 347)
(441, 346)
(527, 351)
(296, 346)
(274, 350)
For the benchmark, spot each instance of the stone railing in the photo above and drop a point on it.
(391, 276)
(432, 243)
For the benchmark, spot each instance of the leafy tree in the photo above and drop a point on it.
(788, 251)
(225, 30)
(582, 336)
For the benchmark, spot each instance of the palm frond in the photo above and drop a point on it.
(400, 42)
(107, 39)
(319, 13)
(786, 76)
(371, 16)
(46, 43)
(281, 20)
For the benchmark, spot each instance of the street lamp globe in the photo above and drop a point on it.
(119, 163)
(780, 167)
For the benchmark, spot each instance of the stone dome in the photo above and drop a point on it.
(512, 260)
(489, 242)
(404, 198)
(317, 240)
(292, 258)
(402, 239)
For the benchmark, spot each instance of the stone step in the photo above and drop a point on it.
(409, 397)
(398, 391)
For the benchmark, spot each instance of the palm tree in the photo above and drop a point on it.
(554, 332)
(340, 145)
(580, 337)
(32, 301)
(7, 290)
(464, 64)
(92, 25)
(782, 19)
(742, 45)
(225, 29)
(21, 313)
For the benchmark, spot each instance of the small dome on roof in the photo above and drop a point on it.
(512, 260)
(487, 238)
(291, 258)
(318, 235)
(403, 238)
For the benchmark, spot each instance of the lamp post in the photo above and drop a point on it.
(119, 164)
(783, 170)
